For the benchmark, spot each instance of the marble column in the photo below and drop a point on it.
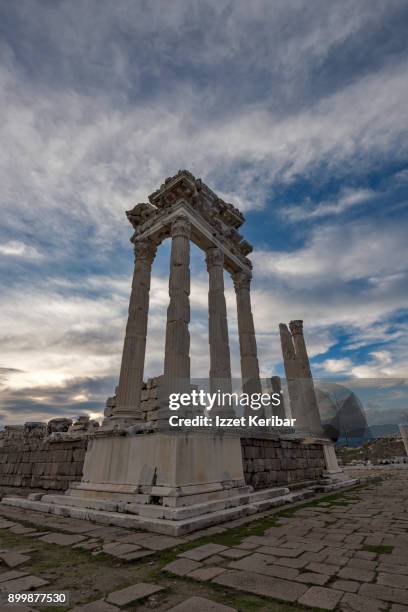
(177, 350)
(290, 363)
(404, 435)
(220, 360)
(134, 349)
(306, 380)
(247, 342)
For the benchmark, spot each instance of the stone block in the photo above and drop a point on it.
(12, 575)
(13, 558)
(261, 585)
(313, 578)
(62, 539)
(181, 567)
(385, 593)
(358, 603)
(206, 573)
(346, 585)
(202, 552)
(126, 596)
(353, 573)
(321, 597)
(96, 606)
(27, 583)
(201, 604)
(393, 580)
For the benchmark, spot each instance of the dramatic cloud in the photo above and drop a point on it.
(296, 112)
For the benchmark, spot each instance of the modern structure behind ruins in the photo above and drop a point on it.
(137, 472)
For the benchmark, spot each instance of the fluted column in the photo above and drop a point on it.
(134, 349)
(247, 342)
(177, 350)
(220, 360)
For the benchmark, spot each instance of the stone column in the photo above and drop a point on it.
(293, 381)
(247, 342)
(404, 435)
(133, 357)
(177, 350)
(220, 361)
(276, 385)
(305, 377)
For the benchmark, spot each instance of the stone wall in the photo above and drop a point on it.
(44, 455)
(268, 462)
(42, 464)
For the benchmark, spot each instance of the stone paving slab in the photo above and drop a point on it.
(137, 554)
(152, 541)
(353, 573)
(312, 578)
(201, 604)
(321, 597)
(204, 551)
(323, 568)
(385, 593)
(21, 530)
(346, 585)
(262, 564)
(261, 585)
(4, 524)
(27, 583)
(96, 606)
(206, 573)
(280, 552)
(18, 609)
(12, 575)
(62, 539)
(351, 601)
(124, 597)
(13, 558)
(117, 549)
(234, 553)
(181, 567)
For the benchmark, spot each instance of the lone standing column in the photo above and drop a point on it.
(247, 342)
(134, 349)
(220, 361)
(177, 351)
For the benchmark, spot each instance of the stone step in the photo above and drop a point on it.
(322, 487)
(158, 511)
(130, 521)
(269, 493)
(86, 502)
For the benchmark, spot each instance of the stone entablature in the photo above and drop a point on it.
(214, 222)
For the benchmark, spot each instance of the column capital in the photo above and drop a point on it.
(241, 280)
(214, 257)
(296, 327)
(181, 226)
(145, 250)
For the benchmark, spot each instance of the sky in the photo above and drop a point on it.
(294, 111)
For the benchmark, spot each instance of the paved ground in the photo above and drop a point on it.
(347, 551)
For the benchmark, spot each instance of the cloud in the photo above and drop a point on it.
(346, 252)
(15, 248)
(348, 199)
(336, 366)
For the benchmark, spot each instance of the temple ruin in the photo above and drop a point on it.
(139, 473)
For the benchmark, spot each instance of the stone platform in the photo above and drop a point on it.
(173, 521)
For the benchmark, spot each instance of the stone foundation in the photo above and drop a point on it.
(48, 463)
(268, 462)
